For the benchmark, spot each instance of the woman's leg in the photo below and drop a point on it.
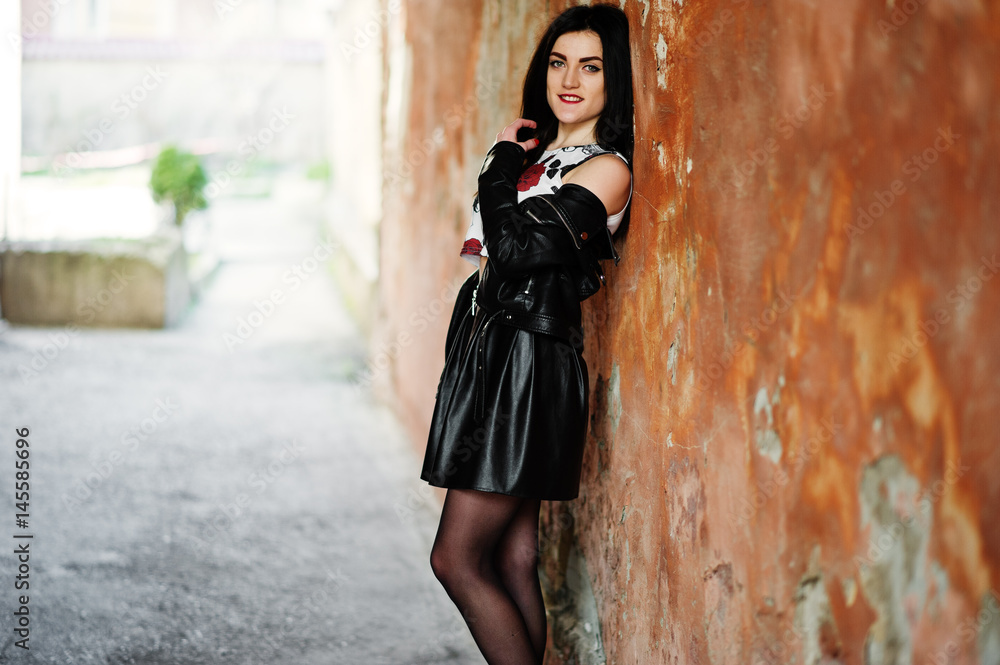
(472, 523)
(516, 560)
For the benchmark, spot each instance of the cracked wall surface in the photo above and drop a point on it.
(794, 370)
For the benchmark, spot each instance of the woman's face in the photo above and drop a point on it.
(575, 83)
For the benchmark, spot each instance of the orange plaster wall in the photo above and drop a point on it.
(793, 449)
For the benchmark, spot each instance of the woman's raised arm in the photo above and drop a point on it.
(542, 231)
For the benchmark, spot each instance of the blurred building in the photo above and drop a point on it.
(10, 117)
(255, 83)
(108, 74)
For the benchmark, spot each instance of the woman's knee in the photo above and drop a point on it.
(440, 563)
(451, 567)
(518, 560)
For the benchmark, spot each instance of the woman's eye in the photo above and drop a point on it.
(553, 63)
(594, 68)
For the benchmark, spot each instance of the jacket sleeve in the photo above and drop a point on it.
(542, 231)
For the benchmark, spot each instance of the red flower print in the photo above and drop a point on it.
(530, 177)
(472, 246)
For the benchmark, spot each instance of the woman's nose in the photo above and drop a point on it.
(570, 78)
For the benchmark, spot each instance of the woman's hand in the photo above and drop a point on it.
(509, 133)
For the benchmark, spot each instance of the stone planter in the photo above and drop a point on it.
(137, 283)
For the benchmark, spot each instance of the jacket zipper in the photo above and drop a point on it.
(563, 220)
(479, 406)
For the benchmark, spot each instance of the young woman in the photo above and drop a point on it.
(510, 420)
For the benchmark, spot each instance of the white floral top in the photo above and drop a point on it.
(542, 177)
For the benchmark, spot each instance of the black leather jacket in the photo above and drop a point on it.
(544, 254)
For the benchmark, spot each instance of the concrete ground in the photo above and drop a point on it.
(195, 499)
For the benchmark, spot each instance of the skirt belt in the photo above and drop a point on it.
(536, 323)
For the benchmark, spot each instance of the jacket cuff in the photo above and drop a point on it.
(499, 175)
(505, 156)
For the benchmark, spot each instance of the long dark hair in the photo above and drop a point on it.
(614, 126)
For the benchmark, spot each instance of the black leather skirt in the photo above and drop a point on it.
(526, 438)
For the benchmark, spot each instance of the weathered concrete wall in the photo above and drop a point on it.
(100, 283)
(352, 128)
(794, 368)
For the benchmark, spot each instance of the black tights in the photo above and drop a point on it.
(486, 554)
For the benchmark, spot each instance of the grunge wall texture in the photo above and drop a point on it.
(794, 370)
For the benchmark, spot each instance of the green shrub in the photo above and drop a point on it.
(178, 177)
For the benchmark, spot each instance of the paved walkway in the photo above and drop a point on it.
(196, 503)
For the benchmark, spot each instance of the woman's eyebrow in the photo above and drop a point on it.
(587, 59)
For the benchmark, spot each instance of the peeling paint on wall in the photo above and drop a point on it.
(575, 624)
(814, 623)
(661, 62)
(768, 442)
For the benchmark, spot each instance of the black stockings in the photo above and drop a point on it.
(486, 554)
